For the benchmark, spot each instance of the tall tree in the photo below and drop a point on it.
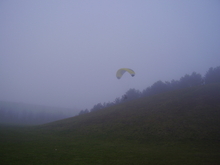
(212, 75)
(131, 94)
(194, 79)
(97, 107)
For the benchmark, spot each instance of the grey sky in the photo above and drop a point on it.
(66, 53)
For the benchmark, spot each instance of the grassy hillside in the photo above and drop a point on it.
(191, 113)
(179, 127)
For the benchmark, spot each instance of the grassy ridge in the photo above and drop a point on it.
(179, 127)
(191, 113)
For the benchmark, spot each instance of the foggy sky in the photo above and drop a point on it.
(66, 53)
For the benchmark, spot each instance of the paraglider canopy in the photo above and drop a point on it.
(121, 71)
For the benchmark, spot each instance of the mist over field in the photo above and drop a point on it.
(66, 53)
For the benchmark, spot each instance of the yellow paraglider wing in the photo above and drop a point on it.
(121, 71)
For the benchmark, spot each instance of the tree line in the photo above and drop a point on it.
(195, 79)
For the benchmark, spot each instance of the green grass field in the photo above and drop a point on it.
(180, 127)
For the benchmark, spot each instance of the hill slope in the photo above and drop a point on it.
(191, 113)
(180, 127)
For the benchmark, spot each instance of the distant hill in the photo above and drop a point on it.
(29, 114)
(191, 113)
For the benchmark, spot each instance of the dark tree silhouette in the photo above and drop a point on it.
(97, 107)
(131, 94)
(146, 92)
(159, 87)
(174, 84)
(184, 81)
(117, 100)
(83, 112)
(212, 75)
(156, 88)
(194, 79)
